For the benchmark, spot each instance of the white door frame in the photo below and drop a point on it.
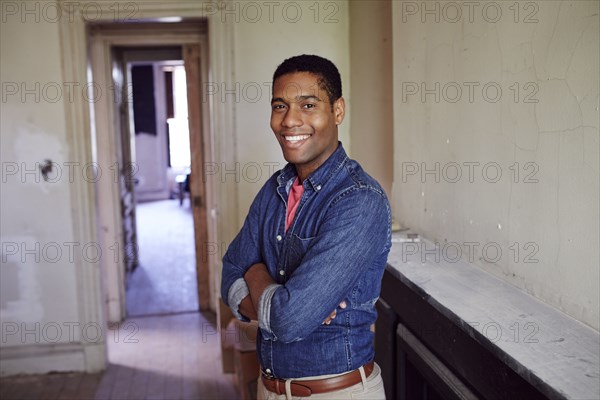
(97, 215)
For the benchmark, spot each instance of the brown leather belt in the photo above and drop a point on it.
(305, 388)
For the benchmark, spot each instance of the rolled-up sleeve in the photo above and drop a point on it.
(264, 309)
(236, 294)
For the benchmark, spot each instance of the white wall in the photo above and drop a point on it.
(259, 47)
(42, 296)
(550, 54)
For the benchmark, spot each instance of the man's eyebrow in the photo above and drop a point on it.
(310, 97)
(299, 98)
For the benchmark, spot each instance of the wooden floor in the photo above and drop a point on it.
(165, 357)
(165, 279)
(173, 355)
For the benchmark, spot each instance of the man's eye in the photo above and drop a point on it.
(278, 106)
(309, 105)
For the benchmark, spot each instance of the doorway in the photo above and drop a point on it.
(116, 49)
(162, 279)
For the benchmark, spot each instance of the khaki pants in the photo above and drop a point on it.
(369, 389)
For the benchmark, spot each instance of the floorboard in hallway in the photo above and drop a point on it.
(164, 358)
(165, 279)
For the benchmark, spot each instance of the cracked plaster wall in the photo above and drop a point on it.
(515, 94)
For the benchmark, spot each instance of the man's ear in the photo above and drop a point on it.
(339, 110)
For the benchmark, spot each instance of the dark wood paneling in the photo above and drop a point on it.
(385, 346)
(438, 381)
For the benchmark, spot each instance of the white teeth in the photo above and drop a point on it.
(296, 138)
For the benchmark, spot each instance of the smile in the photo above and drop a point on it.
(296, 138)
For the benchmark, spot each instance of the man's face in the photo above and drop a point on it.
(304, 121)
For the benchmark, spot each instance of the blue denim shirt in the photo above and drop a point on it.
(335, 249)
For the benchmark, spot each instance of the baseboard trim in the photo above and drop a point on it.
(46, 358)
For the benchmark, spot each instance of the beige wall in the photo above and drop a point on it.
(371, 82)
(543, 125)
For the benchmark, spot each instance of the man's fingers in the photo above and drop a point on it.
(330, 317)
(342, 305)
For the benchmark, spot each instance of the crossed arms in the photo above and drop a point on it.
(258, 279)
(351, 236)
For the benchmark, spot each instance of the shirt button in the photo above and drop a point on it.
(268, 371)
(318, 187)
(281, 272)
(278, 238)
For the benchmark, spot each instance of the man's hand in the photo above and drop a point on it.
(334, 313)
(247, 308)
(257, 278)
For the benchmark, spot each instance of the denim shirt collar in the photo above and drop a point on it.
(319, 177)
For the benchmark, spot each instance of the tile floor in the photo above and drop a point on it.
(175, 355)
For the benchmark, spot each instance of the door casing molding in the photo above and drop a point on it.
(96, 213)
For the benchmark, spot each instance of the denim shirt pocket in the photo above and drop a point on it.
(297, 249)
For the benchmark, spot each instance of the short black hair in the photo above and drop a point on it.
(329, 76)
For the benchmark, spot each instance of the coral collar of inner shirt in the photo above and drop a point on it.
(293, 200)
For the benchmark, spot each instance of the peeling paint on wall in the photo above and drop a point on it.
(25, 301)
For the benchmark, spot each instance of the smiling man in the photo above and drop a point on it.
(309, 259)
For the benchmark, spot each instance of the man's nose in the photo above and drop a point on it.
(292, 118)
